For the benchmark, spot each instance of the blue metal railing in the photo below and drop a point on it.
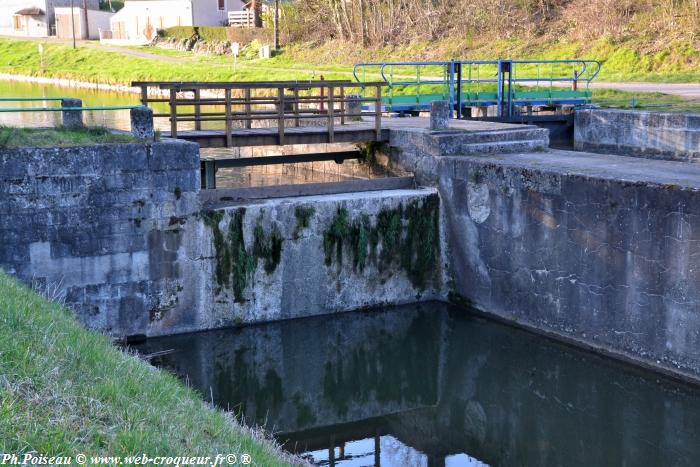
(503, 83)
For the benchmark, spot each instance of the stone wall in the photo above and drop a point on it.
(658, 135)
(96, 225)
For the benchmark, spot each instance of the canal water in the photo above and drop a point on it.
(434, 385)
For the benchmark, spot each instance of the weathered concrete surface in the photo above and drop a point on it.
(601, 249)
(96, 223)
(119, 231)
(418, 150)
(657, 135)
(293, 257)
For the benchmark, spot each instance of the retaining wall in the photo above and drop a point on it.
(118, 232)
(95, 225)
(674, 136)
(602, 250)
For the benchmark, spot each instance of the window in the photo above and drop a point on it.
(222, 5)
(17, 22)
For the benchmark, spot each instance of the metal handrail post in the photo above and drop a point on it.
(378, 113)
(452, 87)
(197, 110)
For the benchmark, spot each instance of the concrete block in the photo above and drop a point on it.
(440, 113)
(72, 119)
(142, 123)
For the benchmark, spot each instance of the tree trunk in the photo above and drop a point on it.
(257, 13)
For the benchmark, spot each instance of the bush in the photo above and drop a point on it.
(219, 34)
(207, 33)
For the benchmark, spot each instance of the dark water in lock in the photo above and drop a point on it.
(432, 385)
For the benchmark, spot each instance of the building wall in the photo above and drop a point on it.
(207, 12)
(37, 26)
(96, 20)
(139, 21)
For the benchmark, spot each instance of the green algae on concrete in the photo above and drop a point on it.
(407, 237)
(235, 264)
(303, 215)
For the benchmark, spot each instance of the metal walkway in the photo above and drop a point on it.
(513, 87)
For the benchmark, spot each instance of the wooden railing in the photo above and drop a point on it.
(248, 102)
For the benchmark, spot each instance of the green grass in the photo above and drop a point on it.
(66, 390)
(101, 65)
(11, 137)
(655, 101)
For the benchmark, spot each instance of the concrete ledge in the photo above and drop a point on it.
(672, 136)
(227, 195)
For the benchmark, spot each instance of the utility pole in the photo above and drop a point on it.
(72, 21)
(87, 28)
(277, 26)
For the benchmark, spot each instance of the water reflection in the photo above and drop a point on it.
(431, 385)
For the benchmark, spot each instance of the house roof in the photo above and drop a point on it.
(33, 11)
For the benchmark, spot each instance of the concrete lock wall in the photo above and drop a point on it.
(583, 247)
(94, 225)
(673, 136)
(119, 233)
(293, 257)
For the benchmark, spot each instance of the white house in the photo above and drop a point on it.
(84, 24)
(139, 20)
(34, 18)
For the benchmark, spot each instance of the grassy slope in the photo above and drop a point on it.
(65, 390)
(93, 64)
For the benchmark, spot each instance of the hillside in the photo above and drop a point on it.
(651, 40)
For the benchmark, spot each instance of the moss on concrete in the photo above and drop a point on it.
(303, 215)
(406, 237)
(267, 247)
(235, 264)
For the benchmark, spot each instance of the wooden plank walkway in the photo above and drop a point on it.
(349, 133)
(245, 137)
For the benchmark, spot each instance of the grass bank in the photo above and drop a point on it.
(65, 390)
(334, 59)
(11, 137)
(633, 59)
(105, 65)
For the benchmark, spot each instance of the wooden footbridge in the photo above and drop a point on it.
(240, 114)
(253, 114)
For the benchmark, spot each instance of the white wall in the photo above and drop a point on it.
(138, 21)
(96, 20)
(207, 13)
(36, 26)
